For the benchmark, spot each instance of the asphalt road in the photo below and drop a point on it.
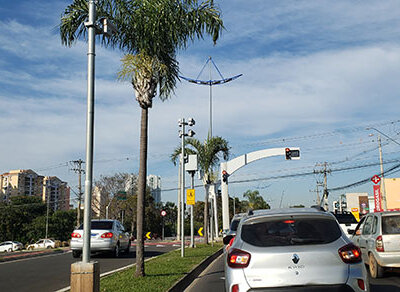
(212, 279)
(52, 272)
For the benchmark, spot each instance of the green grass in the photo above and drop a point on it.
(161, 272)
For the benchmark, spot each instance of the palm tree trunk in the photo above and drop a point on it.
(206, 187)
(141, 194)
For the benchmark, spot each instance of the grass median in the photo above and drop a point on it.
(161, 272)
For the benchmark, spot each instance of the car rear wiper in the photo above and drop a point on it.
(295, 240)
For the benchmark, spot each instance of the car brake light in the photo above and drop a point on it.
(75, 235)
(288, 221)
(361, 284)
(238, 258)
(350, 254)
(235, 288)
(107, 235)
(379, 244)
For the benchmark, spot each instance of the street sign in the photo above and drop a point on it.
(121, 195)
(200, 232)
(163, 213)
(148, 235)
(190, 197)
(376, 179)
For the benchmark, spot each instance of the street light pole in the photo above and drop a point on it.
(89, 130)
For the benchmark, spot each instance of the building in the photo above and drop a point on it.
(154, 183)
(29, 183)
(99, 200)
(357, 202)
(21, 182)
(392, 191)
(57, 192)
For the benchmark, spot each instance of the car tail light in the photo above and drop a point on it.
(235, 288)
(75, 235)
(361, 284)
(379, 244)
(238, 258)
(107, 235)
(350, 254)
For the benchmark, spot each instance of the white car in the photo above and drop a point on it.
(42, 243)
(295, 249)
(9, 246)
(106, 235)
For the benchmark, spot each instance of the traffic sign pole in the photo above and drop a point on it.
(191, 216)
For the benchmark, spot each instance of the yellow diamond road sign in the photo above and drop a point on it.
(200, 232)
(148, 235)
(190, 197)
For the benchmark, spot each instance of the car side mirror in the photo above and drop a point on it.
(351, 231)
(358, 232)
(227, 239)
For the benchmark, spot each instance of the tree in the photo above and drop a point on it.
(151, 32)
(209, 155)
(255, 200)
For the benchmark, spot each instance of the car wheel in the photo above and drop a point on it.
(10, 250)
(375, 269)
(116, 251)
(76, 253)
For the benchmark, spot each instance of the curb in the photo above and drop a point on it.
(185, 282)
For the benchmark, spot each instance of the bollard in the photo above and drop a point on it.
(85, 277)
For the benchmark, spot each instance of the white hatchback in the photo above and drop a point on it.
(9, 246)
(106, 235)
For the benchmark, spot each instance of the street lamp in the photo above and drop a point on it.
(80, 271)
(182, 123)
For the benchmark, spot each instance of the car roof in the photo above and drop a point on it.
(287, 212)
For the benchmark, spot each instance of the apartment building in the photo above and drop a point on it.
(154, 183)
(27, 182)
(99, 200)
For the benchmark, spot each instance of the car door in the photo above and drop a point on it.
(365, 237)
(357, 232)
(3, 247)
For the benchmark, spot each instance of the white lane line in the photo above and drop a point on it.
(33, 258)
(160, 245)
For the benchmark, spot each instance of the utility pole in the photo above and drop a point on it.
(325, 172)
(48, 205)
(78, 169)
(318, 199)
(382, 174)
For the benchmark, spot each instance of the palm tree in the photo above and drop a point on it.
(255, 200)
(209, 154)
(150, 32)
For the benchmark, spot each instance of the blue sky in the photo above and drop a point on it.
(315, 75)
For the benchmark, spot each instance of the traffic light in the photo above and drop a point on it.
(288, 154)
(225, 176)
(292, 153)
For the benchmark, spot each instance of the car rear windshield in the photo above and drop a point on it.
(293, 231)
(100, 225)
(234, 224)
(345, 218)
(391, 224)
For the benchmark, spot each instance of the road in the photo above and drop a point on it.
(212, 279)
(52, 272)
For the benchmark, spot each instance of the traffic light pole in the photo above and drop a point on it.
(229, 167)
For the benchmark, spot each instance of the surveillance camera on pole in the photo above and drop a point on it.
(108, 27)
(191, 122)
